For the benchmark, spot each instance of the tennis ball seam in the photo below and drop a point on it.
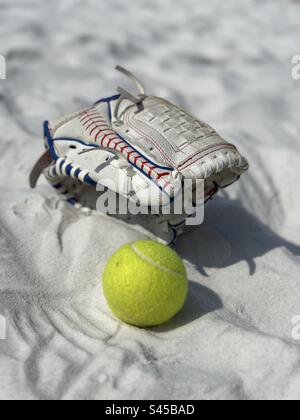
(152, 262)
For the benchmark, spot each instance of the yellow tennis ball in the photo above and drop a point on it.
(145, 283)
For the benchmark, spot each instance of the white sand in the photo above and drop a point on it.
(230, 63)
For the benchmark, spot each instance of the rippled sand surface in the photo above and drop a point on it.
(228, 63)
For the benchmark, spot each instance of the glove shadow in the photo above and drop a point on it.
(229, 235)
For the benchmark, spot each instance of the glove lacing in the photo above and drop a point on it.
(125, 95)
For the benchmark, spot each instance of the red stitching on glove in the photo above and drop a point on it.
(94, 119)
(100, 126)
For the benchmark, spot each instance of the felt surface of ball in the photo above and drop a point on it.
(145, 283)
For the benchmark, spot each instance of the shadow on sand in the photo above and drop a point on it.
(200, 302)
(228, 236)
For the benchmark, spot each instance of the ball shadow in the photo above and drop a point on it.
(200, 302)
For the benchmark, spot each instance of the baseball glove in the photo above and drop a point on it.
(133, 145)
